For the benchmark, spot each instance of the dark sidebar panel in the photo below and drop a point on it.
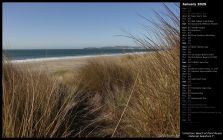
(201, 69)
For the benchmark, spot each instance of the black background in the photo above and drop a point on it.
(209, 122)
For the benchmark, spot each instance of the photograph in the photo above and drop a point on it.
(91, 69)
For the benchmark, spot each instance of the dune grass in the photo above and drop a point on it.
(131, 96)
(37, 105)
(140, 98)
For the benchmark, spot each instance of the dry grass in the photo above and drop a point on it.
(133, 96)
(153, 110)
(32, 104)
(37, 105)
(101, 75)
(139, 98)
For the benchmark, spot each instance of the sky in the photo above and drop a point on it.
(74, 25)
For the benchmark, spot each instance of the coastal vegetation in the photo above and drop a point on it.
(129, 96)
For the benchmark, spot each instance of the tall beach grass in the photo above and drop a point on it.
(129, 96)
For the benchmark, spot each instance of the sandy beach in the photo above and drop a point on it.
(64, 64)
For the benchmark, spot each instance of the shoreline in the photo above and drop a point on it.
(65, 63)
(71, 57)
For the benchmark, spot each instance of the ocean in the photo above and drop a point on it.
(46, 54)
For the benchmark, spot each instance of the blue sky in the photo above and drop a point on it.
(73, 25)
